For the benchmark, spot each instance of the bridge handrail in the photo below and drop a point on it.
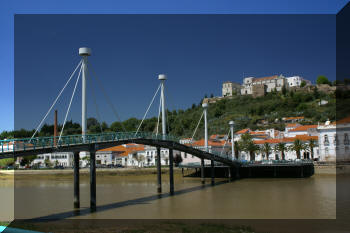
(49, 142)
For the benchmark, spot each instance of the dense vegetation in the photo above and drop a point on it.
(246, 111)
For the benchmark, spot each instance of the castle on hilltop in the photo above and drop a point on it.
(261, 86)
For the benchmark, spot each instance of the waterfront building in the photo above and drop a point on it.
(289, 154)
(64, 159)
(334, 140)
(310, 130)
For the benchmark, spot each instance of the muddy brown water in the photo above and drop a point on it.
(135, 197)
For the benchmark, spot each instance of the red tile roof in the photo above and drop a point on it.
(210, 143)
(293, 118)
(287, 139)
(265, 78)
(344, 120)
(243, 131)
(303, 128)
(125, 150)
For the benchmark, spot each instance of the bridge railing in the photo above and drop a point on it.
(25, 144)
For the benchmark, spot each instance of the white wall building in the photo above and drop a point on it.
(334, 140)
(295, 81)
(271, 83)
(64, 159)
(229, 88)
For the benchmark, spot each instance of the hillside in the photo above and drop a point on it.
(247, 112)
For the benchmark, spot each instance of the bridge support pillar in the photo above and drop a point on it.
(301, 171)
(212, 172)
(93, 180)
(159, 172)
(171, 171)
(202, 171)
(237, 172)
(229, 173)
(76, 180)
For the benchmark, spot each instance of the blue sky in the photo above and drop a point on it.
(214, 74)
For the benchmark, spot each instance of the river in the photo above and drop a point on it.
(135, 197)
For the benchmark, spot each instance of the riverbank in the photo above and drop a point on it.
(8, 174)
(86, 171)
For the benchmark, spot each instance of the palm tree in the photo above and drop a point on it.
(311, 145)
(236, 149)
(266, 148)
(297, 146)
(251, 148)
(281, 147)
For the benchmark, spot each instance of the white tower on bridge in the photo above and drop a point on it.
(205, 109)
(162, 78)
(84, 52)
(232, 123)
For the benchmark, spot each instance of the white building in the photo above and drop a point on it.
(310, 130)
(229, 88)
(271, 83)
(295, 81)
(334, 140)
(64, 159)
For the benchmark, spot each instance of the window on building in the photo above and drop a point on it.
(185, 156)
(336, 141)
(346, 139)
(326, 142)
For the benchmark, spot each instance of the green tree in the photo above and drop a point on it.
(281, 147)
(6, 162)
(303, 84)
(236, 149)
(246, 144)
(297, 146)
(284, 90)
(310, 147)
(47, 163)
(322, 80)
(266, 149)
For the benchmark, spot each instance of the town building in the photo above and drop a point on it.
(334, 140)
(310, 130)
(295, 81)
(230, 88)
(259, 86)
(64, 159)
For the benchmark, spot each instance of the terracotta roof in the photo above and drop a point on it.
(303, 128)
(344, 120)
(293, 118)
(287, 139)
(290, 125)
(243, 131)
(214, 136)
(265, 78)
(125, 149)
(210, 143)
(257, 133)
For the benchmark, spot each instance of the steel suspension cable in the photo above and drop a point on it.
(149, 106)
(197, 127)
(70, 103)
(60, 93)
(107, 97)
(160, 104)
(227, 135)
